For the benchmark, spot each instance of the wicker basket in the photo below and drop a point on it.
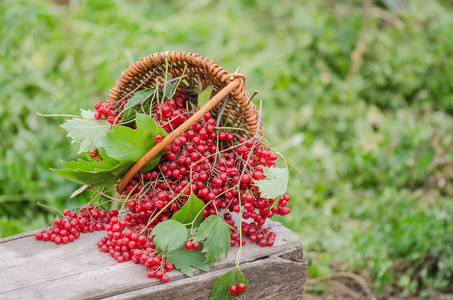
(149, 71)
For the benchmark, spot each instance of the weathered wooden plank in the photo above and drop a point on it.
(269, 278)
(36, 269)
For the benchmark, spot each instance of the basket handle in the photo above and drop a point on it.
(121, 186)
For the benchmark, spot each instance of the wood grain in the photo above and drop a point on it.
(31, 269)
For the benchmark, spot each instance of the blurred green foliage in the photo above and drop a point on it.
(358, 97)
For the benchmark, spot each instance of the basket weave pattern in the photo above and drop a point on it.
(239, 112)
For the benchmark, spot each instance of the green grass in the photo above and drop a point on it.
(359, 100)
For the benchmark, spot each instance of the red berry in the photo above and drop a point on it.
(93, 153)
(233, 289)
(188, 245)
(196, 246)
(38, 236)
(169, 267)
(241, 287)
(165, 278)
(158, 138)
(159, 274)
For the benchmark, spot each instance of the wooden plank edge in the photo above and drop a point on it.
(288, 283)
(19, 236)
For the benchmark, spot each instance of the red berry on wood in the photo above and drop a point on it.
(165, 278)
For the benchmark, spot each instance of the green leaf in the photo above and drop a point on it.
(126, 144)
(89, 132)
(85, 177)
(183, 259)
(216, 232)
(120, 169)
(169, 235)
(94, 166)
(221, 288)
(169, 88)
(139, 96)
(123, 147)
(204, 96)
(190, 211)
(275, 184)
(147, 125)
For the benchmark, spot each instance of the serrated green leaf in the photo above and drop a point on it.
(169, 235)
(216, 233)
(190, 211)
(89, 132)
(90, 166)
(221, 288)
(184, 259)
(205, 96)
(86, 177)
(109, 166)
(126, 144)
(275, 184)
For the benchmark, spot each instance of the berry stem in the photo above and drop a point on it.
(219, 117)
(62, 115)
(54, 208)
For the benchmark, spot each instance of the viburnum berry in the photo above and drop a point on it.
(165, 278)
(196, 246)
(169, 267)
(205, 161)
(188, 245)
(39, 236)
(159, 274)
(233, 289)
(241, 287)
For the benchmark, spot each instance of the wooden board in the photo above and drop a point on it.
(31, 269)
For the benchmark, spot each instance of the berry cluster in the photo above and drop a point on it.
(216, 164)
(192, 246)
(234, 289)
(68, 229)
(126, 244)
(257, 233)
(108, 110)
(213, 164)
